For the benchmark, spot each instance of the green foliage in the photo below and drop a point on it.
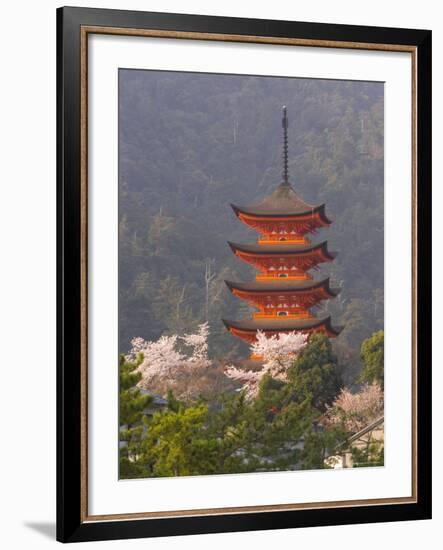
(319, 444)
(132, 419)
(373, 357)
(315, 373)
(178, 443)
(370, 455)
(132, 402)
(228, 424)
(173, 403)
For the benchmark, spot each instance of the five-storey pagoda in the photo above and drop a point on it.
(284, 292)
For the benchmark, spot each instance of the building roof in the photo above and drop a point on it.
(281, 285)
(282, 324)
(282, 202)
(285, 249)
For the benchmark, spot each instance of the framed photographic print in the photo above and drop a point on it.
(244, 274)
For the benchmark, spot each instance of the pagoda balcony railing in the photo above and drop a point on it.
(275, 315)
(283, 240)
(275, 277)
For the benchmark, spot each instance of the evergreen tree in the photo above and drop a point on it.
(315, 373)
(373, 357)
(132, 419)
(179, 444)
(319, 444)
(371, 455)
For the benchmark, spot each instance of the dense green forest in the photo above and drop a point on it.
(190, 144)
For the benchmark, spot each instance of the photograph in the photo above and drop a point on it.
(218, 250)
(250, 273)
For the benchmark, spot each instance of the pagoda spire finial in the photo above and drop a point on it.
(285, 146)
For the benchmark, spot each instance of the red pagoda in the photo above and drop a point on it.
(284, 292)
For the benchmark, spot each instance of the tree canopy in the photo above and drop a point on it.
(373, 357)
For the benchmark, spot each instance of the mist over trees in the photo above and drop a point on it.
(190, 144)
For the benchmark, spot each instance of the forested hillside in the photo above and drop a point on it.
(190, 144)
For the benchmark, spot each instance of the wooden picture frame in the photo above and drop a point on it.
(74, 523)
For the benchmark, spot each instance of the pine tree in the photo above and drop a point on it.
(373, 357)
(132, 419)
(315, 373)
(179, 443)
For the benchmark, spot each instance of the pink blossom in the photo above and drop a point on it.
(356, 410)
(199, 344)
(164, 359)
(277, 353)
(249, 379)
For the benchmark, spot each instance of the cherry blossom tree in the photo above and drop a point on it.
(160, 358)
(249, 379)
(277, 354)
(170, 360)
(198, 342)
(354, 411)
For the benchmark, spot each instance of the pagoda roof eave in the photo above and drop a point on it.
(279, 286)
(281, 249)
(281, 324)
(257, 212)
